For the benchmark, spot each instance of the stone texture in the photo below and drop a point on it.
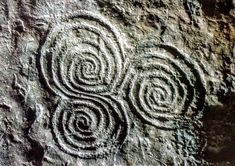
(134, 82)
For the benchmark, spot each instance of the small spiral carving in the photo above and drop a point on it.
(82, 53)
(166, 87)
(89, 128)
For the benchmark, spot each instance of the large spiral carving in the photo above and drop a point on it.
(166, 87)
(89, 128)
(82, 61)
(82, 53)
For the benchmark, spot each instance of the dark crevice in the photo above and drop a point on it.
(36, 152)
(214, 8)
(219, 131)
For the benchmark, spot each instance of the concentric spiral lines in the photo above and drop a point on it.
(167, 87)
(89, 128)
(82, 60)
(82, 54)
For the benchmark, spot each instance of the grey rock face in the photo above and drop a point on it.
(117, 82)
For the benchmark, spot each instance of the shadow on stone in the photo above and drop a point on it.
(214, 8)
(219, 132)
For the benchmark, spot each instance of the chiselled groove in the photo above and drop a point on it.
(82, 60)
(89, 127)
(166, 87)
(94, 17)
(82, 55)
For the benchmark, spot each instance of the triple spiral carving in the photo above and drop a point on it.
(83, 61)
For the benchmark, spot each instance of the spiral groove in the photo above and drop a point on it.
(82, 54)
(82, 61)
(166, 87)
(89, 128)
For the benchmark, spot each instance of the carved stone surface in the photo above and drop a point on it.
(117, 82)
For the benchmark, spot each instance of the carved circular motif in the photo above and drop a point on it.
(82, 53)
(167, 87)
(89, 128)
(82, 59)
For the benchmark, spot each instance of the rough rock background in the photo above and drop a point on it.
(203, 29)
